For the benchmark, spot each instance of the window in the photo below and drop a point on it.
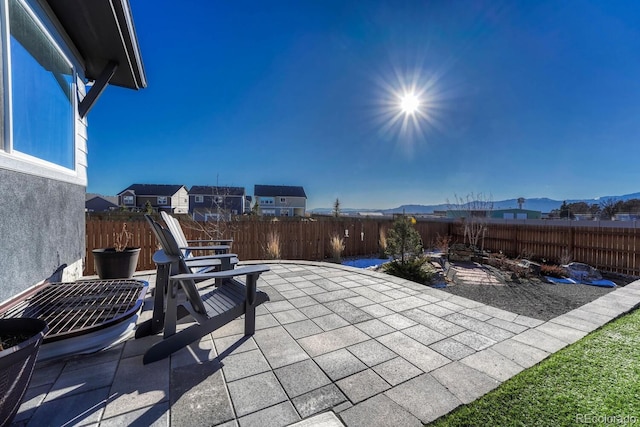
(218, 199)
(127, 200)
(42, 91)
(283, 200)
(199, 199)
(162, 200)
(266, 201)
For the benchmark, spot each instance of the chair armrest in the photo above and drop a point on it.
(207, 248)
(227, 274)
(218, 241)
(213, 262)
(217, 256)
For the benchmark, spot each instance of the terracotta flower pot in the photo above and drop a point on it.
(111, 264)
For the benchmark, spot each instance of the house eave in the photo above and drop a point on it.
(103, 32)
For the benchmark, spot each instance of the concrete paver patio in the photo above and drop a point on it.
(357, 347)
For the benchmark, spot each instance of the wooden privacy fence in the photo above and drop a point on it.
(606, 248)
(299, 238)
(614, 249)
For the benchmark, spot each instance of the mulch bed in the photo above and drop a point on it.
(532, 296)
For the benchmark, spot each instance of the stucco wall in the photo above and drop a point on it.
(42, 225)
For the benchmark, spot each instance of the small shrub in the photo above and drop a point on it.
(565, 257)
(417, 270)
(404, 241)
(272, 249)
(336, 244)
(122, 238)
(442, 243)
(552, 271)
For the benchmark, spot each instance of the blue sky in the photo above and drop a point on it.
(517, 98)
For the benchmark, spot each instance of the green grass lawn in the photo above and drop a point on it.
(597, 376)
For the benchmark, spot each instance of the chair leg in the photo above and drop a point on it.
(250, 305)
(175, 342)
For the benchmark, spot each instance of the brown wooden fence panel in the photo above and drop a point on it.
(607, 248)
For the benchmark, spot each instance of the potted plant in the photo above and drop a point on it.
(20, 340)
(117, 262)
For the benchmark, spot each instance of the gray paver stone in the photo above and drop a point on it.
(289, 316)
(198, 396)
(302, 329)
(493, 364)
(153, 416)
(330, 321)
(452, 349)
(379, 411)
(521, 353)
(416, 353)
(85, 408)
(254, 393)
(423, 334)
(278, 347)
(280, 415)
(375, 328)
(318, 400)
(563, 333)
(301, 377)
(398, 321)
(538, 339)
(362, 385)
(474, 340)
(326, 342)
(466, 383)
(349, 312)
(371, 352)
(314, 311)
(83, 380)
(151, 385)
(339, 364)
(424, 397)
(396, 371)
(242, 365)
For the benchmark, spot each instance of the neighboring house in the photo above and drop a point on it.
(208, 202)
(50, 51)
(516, 214)
(463, 213)
(280, 200)
(495, 213)
(162, 197)
(97, 203)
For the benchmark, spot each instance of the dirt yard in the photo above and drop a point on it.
(530, 297)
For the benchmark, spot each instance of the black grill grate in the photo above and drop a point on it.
(82, 307)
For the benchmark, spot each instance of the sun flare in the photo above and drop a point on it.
(409, 103)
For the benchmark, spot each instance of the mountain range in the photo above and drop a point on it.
(542, 204)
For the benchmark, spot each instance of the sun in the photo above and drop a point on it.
(409, 103)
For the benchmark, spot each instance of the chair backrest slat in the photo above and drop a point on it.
(170, 248)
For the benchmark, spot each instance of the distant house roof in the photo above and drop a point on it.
(153, 189)
(278, 191)
(217, 191)
(100, 204)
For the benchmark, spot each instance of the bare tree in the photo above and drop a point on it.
(608, 208)
(474, 210)
(220, 219)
